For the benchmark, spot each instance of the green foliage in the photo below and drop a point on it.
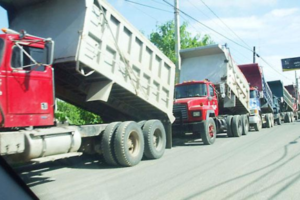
(164, 39)
(74, 115)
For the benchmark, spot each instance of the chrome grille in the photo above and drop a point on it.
(180, 110)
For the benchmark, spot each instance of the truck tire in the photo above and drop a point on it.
(268, 121)
(272, 120)
(279, 122)
(129, 144)
(142, 123)
(107, 147)
(155, 139)
(292, 117)
(258, 125)
(287, 118)
(245, 123)
(237, 126)
(229, 126)
(209, 133)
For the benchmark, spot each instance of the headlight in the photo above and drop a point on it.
(196, 114)
(254, 112)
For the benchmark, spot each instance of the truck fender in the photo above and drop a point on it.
(210, 113)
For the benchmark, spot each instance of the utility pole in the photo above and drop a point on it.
(254, 54)
(177, 41)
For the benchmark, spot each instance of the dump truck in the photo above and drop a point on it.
(261, 97)
(295, 94)
(283, 101)
(100, 63)
(212, 96)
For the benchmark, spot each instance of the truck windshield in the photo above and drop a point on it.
(1, 49)
(253, 94)
(191, 90)
(29, 62)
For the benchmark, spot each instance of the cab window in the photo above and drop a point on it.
(253, 94)
(211, 91)
(21, 60)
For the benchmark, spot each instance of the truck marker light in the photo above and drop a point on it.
(9, 31)
(201, 104)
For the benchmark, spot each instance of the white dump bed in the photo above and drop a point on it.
(214, 63)
(107, 68)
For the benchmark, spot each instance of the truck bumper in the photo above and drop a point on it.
(253, 119)
(182, 128)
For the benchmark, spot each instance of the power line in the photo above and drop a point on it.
(245, 57)
(159, 2)
(224, 23)
(148, 6)
(273, 68)
(209, 27)
(146, 13)
(226, 38)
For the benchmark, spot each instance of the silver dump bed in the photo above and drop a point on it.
(108, 68)
(214, 63)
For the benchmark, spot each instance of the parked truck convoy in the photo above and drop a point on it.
(101, 64)
(87, 54)
(261, 97)
(283, 101)
(213, 94)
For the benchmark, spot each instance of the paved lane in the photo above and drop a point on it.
(261, 165)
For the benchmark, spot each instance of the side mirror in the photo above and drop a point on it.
(261, 94)
(49, 46)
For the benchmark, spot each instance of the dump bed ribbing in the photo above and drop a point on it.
(214, 63)
(129, 81)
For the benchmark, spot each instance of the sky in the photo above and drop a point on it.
(272, 26)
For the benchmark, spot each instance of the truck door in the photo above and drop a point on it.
(29, 86)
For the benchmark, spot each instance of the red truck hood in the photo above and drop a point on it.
(191, 102)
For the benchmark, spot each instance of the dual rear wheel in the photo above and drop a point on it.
(269, 120)
(237, 125)
(125, 143)
(288, 117)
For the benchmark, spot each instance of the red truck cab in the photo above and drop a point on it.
(195, 102)
(26, 80)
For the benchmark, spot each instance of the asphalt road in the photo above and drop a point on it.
(261, 165)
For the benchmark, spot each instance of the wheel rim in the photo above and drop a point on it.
(157, 138)
(211, 130)
(133, 143)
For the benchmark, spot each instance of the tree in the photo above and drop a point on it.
(74, 115)
(164, 39)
